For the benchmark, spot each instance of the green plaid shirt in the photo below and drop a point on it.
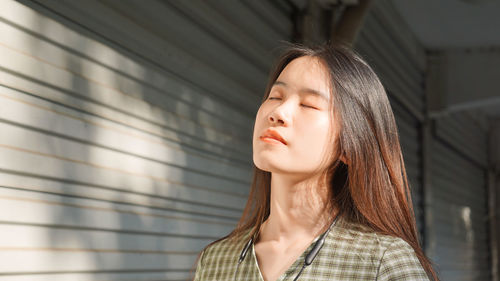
(350, 252)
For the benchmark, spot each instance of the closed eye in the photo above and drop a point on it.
(304, 105)
(308, 106)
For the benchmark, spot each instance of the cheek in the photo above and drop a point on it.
(262, 114)
(320, 125)
(257, 127)
(318, 133)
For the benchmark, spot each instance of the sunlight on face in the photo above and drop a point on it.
(297, 108)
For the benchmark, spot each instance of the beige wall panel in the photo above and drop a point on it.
(60, 261)
(140, 275)
(101, 142)
(65, 81)
(43, 209)
(170, 184)
(212, 144)
(22, 237)
(148, 197)
(60, 45)
(171, 57)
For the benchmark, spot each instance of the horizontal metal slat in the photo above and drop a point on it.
(219, 24)
(39, 72)
(158, 53)
(28, 208)
(44, 261)
(167, 24)
(181, 186)
(122, 275)
(59, 45)
(210, 146)
(272, 16)
(50, 124)
(249, 23)
(413, 51)
(39, 238)
(20, 139)
(146, 197)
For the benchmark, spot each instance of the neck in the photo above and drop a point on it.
(297, 209)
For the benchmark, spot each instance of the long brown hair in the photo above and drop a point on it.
(371, 187)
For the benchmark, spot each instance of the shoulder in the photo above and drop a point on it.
(382, 257)
(224, 251)
(218, 260)
(400, 262)
(362, 240)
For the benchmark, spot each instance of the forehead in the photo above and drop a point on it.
(306, 74)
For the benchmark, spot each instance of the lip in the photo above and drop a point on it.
(272, 136)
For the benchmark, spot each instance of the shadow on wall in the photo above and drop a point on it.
(115, 168)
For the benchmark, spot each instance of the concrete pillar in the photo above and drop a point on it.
(351, 22)
(321, 20)
(494, 195)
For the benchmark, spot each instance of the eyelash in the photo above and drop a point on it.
(312, 107)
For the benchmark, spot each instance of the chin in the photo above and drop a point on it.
(270, 167)
(262, 164)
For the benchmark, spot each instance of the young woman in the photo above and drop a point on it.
(330, 198)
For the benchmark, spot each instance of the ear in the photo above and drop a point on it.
(343, 158)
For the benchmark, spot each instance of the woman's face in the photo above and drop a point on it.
(297, 109)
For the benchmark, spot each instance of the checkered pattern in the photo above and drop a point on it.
(351, 252)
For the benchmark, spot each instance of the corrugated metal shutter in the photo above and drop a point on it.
(125, 141)
(460, 236)
(399, 60)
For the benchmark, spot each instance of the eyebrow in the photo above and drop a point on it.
(304, 90)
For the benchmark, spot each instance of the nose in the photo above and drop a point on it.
(274, 119)
(280, 115)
